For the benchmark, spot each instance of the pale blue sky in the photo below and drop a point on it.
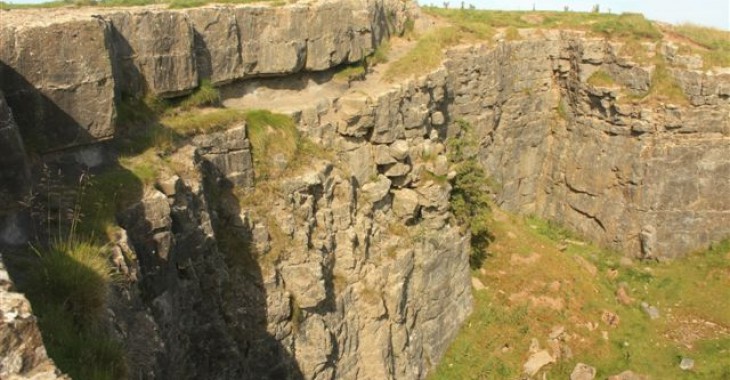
(704, 12)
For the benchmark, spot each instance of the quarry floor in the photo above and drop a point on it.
(545, 291)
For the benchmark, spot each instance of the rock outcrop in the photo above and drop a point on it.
(63, 72)
(339, 270)
(640, 178)
(22, 354)
(352, 266)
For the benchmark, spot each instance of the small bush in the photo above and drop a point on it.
(470, 193)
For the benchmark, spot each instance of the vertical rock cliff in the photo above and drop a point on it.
(348, 264)
(640, 178)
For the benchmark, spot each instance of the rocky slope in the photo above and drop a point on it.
(351, 265)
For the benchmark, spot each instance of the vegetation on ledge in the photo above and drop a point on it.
(67, 277)
(713, 45)
(470, 193)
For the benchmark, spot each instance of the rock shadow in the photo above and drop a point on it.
(186, 311)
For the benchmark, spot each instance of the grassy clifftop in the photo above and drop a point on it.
(459, 26)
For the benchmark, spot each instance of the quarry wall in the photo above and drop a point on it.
(356, 267)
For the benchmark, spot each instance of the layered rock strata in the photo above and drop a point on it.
(62, 72)
(352, 267)
(644, 178)
(347, 268)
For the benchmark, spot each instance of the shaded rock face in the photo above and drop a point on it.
(342, 271)
(58, 80)
(14, 178)
(63, 72)
(22, 354)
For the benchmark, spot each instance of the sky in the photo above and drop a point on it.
(715, 13)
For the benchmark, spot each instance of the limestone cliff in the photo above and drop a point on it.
(350, 266)
(68, 69)
(644, 179)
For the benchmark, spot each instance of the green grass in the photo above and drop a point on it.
(426, 55)
(601, 79)
(470, 194)
(483, 22)
(715, 43)
(109, 192)
(193, 122)
(626, 26)
(350, 73)
(204, 96)
(273, 137)
(380, 55)
(67, 283)
(663, 87)
(482, 25)
(494, 341)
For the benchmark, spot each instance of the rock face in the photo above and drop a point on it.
(340, 271)
(62, 71)
(58, 80)
(642, 179)
(22, 354)
(14, 178)
(351, 267)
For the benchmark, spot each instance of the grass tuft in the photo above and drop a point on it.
(193, 122)
(67, 284)
(274, 139)
(204, 96)
(601, 79)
